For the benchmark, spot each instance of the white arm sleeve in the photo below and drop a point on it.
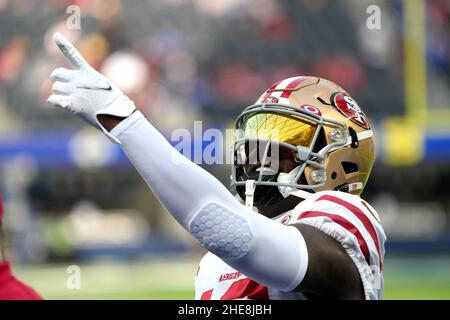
(264, 250)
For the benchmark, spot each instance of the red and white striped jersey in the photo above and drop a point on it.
(347, 218)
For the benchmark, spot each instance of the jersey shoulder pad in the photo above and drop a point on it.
(352, 222)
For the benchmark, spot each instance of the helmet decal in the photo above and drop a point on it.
(350, 109)
(311, 109)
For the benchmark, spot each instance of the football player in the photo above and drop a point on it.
(310, 236)
(10, 287)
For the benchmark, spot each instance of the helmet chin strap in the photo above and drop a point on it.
(250, 186)
(291, 177)
(301, 194)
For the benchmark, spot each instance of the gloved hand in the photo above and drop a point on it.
(85, 92)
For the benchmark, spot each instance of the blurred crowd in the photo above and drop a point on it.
(184, 60)
(189, 59)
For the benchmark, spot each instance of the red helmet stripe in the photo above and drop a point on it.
(292, 85)
(269, 91)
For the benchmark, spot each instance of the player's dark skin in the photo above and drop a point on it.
(331, 272)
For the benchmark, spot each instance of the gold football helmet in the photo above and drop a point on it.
(315, 122)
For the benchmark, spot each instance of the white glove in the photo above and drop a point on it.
(85, 92)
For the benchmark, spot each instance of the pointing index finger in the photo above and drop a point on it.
(69, 51)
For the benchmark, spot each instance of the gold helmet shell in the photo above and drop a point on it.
(318, 121)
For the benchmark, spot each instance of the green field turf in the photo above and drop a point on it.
(405, 278)
(425, 277)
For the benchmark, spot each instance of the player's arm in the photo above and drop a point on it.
(268, 252)
(331, 272)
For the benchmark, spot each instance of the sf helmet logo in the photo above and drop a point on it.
(350, 108)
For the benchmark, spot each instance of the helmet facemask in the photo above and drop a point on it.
(264, 131)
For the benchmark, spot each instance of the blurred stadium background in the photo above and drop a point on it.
(72, 198)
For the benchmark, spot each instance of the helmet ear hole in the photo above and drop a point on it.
(349, 167)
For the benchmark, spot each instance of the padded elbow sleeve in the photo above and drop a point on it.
(264, 250)
(223, 232)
